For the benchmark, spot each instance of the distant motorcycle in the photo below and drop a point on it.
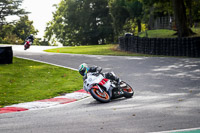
(103, 90)
(27, 44)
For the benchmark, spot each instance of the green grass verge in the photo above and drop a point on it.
(110, 49)
(25, 81)
(164, 33)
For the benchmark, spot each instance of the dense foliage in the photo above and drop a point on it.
(83, 22)
(8, 8)
(16, 33)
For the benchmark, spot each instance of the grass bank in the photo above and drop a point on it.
(25, 81)
(164, 33)
(110, 49)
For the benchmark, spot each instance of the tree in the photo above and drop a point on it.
(181, 18)
(81, 22)
(7, 35)
(17, 33)
(179, 11)
(135, 9)
(24, 27)
(119, 14)
(193, 11)
(153, 9)
(61, 27)
(8, 8)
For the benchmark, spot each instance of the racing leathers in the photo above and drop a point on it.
(31, 38)
(108, 75)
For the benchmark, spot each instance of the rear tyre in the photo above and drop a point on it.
(127, 89)
(99, 96)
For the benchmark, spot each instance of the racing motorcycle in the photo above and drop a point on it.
(103, 90)
(27, 44)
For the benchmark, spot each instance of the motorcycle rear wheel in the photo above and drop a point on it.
(99, 96)
(128, 90)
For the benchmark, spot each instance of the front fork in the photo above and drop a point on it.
(109, 90)
(100, 89)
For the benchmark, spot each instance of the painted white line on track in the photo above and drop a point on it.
(34, 105)
(47, 63)
(75, 95)
(181, 130)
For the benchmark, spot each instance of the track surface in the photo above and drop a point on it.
(167, 97)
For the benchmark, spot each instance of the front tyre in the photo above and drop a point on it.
(127, 89)
(25, 47)
(102, 97)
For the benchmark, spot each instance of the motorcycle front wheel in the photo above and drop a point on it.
(102, 97)
(25, 47)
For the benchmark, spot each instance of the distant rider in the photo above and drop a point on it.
(84, 69)
(31, 38)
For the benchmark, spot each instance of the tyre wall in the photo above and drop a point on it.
(189, 47)
(6, 55)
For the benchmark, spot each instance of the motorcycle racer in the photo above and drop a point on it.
(84, 69)
(103, 86)
(31, 38)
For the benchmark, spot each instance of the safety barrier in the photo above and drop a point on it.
(6, 55)
(189, 47)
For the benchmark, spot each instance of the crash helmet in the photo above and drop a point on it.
(83, 69)
(31, 35)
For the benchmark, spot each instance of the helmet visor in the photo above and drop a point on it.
(82, 72)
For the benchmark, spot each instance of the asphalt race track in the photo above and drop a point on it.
(167, 97)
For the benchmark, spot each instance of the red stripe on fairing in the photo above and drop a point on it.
(103, 81)
(60, 100)
(11, 109)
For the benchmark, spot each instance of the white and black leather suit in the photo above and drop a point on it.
(106, 75)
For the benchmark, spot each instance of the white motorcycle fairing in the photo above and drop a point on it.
(103, 89)
(96, 80)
